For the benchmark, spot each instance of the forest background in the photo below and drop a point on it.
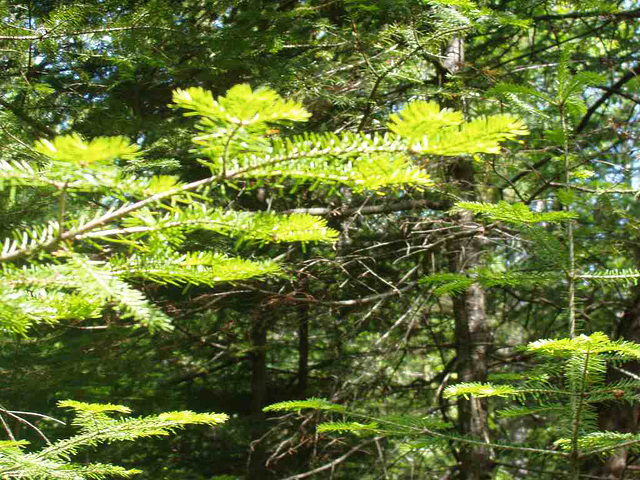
(413, 295)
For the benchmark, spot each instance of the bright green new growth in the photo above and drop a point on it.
(455, 283)
(570, 391)
(444, 132)
(298, 405)
(581, 387)
(239, 142)
(515, 213)
(96, 426)
(74, 149)
(241, 106)
(421, 119)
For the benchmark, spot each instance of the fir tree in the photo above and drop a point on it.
(65, 269)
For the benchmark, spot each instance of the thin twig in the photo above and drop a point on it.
(7, 429)
(29, 424)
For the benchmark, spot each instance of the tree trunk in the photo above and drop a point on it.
(472, 340)
(471, 330)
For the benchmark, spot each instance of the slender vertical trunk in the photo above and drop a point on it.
(472, 341)
(471, 329)
(258, 359)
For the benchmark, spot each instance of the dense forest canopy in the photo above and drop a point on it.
(380, 239)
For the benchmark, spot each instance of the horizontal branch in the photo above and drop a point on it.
(106, 218)
(595, 451)
(612, 276)
(615, 88)
(467, 440)
(132, 207)
(40, 127)
(597, 192)
(46, 35)
(594, 13)
(337, 303)
(370, 209)
(318, 211)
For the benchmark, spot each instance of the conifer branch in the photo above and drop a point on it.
(626, 78)
(371, 209)
(625, 14)
(621, 445)
(337, 303)
(37, 125)
(46, 35)
(105, 219)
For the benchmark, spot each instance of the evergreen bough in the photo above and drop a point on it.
(110, 229)
(97, 425)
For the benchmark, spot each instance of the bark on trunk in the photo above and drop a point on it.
(472, 341)
(472, 332)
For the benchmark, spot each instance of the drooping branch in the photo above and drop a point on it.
(47, 35)
(614, 89)
(337, 303)
(40, 127)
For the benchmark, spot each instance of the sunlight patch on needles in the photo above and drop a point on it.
(298, 405)
(516, 213)
(627, 276)
(355, 428)
(96, 427)
(193, 268)
(420, 119)
(265, 227)
(241, 105)
(96, 279)
(75, 150)
(481, 135)
(596, 343)
(480, 390)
